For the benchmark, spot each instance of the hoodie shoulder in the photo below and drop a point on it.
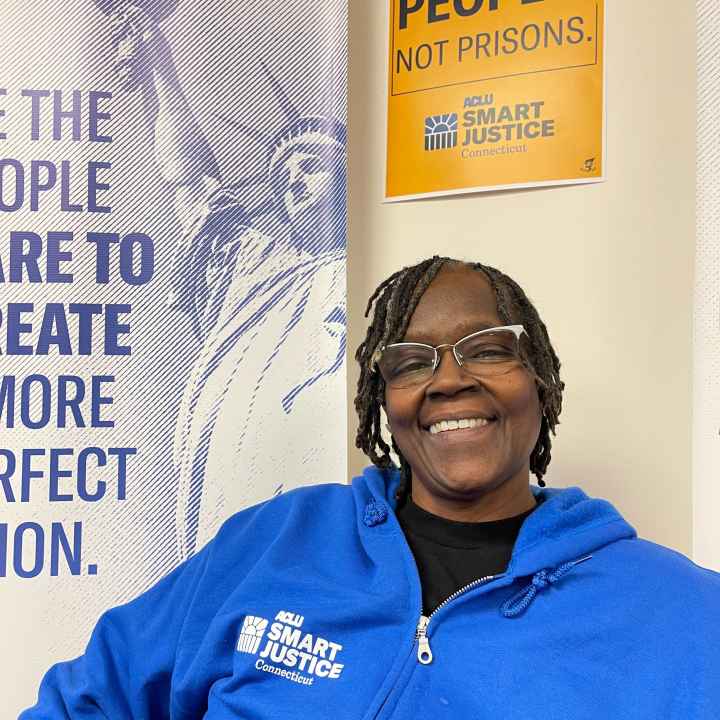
(676, 568)
(293, 516)
(312, 501)
(667, 582)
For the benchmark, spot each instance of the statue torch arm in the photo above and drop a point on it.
(183, 153)
(143, 59)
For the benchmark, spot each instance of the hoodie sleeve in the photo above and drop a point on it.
(127, 667)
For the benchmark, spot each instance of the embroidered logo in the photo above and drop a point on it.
(288, 651)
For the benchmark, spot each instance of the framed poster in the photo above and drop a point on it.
(494, 94)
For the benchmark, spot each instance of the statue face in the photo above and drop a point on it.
(310, 183)
(309, 180)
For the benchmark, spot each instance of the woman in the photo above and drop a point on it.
(533, 602)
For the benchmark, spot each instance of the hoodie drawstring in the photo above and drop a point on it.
(520, 602)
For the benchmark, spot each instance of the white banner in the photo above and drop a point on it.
(172, 270)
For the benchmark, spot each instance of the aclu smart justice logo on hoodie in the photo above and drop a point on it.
(285, 650)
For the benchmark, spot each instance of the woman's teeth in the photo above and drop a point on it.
(445, 425)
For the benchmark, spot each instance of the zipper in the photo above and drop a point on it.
(424, 653)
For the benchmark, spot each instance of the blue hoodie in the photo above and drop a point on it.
(309, 606)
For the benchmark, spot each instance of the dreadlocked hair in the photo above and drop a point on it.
(393, 304)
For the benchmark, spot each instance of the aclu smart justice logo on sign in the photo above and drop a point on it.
(288, 651)
(441, 131)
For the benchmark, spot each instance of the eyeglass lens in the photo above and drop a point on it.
(486, 354)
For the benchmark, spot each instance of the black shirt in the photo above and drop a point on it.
(450, 554)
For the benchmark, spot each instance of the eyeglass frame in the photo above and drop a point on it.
(518, 330)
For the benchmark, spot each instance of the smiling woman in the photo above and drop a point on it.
(488, 463)
(429, 590)
(442, 300)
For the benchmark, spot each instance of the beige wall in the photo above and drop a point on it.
(609, 266)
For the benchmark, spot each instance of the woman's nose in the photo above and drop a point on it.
(450, 377)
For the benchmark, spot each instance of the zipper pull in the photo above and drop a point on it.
(425, 655)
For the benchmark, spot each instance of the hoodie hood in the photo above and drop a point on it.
(566, 527)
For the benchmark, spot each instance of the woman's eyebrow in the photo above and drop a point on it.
(426, 339)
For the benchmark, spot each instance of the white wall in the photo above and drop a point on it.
(609, 266)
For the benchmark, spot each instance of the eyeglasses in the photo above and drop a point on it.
(487, 353)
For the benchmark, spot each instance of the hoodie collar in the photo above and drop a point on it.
(566, 526)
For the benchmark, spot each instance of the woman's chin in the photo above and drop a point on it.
(463, 484)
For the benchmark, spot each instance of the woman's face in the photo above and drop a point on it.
(461, 467)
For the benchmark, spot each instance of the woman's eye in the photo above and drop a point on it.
(409, 366)
(490, 352)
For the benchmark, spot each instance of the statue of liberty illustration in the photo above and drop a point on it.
(264, 403)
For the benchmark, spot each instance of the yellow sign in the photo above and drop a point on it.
(494, 94)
